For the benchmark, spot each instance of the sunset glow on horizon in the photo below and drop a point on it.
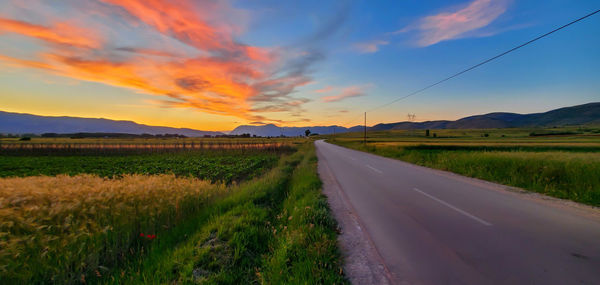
(213, 65)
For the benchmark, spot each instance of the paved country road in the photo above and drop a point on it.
(433, 227)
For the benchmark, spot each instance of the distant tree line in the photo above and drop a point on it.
(23, 137)
(82, 135)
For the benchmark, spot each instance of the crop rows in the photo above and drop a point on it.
(224, 165)
(137, 147)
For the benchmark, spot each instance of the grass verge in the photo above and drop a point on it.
(303, 249)
(274, 230)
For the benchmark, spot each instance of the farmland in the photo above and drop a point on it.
(214, 160)
(563, 163)
(226, 166)
(224, 215)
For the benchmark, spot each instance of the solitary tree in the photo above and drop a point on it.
(426, 133)
(307, 132)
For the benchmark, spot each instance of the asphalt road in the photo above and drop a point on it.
(432, 227)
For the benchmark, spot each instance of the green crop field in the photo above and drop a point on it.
(222, 165)
(150, 215)
(560, 162)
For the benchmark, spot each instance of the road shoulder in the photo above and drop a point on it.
(362, 262)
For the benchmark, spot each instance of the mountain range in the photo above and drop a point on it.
(575, 115)
(271, 130)
(17, 123)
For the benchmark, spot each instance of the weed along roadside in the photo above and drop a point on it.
(275, 228)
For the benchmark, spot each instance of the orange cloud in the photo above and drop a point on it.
(60, 33)
(200, 83)
(183, 21)
(227, 78)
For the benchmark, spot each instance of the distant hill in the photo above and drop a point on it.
(271, 130)
(17, 123)
(576, 115)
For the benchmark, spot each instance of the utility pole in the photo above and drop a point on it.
(365, 136)
(411, 118)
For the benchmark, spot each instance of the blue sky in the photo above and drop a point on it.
(306, 63)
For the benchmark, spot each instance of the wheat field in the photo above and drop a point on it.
(53, 226)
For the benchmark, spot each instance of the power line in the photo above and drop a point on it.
(485, 61)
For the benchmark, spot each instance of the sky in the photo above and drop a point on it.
(214, 65)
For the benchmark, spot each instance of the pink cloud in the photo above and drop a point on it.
(347, 92)
(453, 25)
(370, 46)
(324, 89)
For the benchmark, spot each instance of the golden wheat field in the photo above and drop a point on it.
(62, 224)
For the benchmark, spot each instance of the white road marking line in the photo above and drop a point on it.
(375, 169)
(454, 208)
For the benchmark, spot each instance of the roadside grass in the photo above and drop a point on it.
(563, 171)
(304, 249)
(249, 236)
(578, 134)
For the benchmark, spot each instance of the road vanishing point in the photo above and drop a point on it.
(433, 227)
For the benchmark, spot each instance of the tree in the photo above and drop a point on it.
(426, 133)
(307, 132)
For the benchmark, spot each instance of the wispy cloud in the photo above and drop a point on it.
(369, 46)
(59, 33)
(347, 92)
(456, 24)
(324, 89)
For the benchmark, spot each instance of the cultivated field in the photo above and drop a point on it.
(560, 162)
(228, 214)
